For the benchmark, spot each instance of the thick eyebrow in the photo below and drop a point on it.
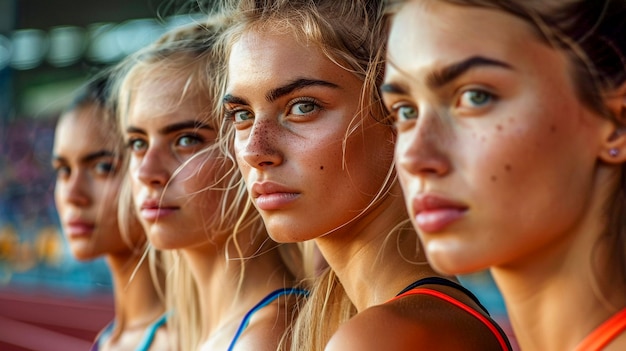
(453, 71)
(393, 88)
(173, 127)
(297, 84)
(87, 158)
(231, 99)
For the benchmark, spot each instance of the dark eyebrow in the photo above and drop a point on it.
(231, 99)
(453, 71)
(184, 125)
(295, 85)
(87, 158)
(173, 127)
(96, 155)
(393, 88)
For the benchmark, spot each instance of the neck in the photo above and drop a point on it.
(370, 248)
(137, 303)
(560, 294)
(217, 271)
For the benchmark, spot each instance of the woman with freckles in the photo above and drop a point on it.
(316, 152)
(511, 151)
(87, 158)
(231, 287)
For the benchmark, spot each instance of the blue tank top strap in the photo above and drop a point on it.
(271, 297)
(444, 282)
(102, 336)
(148, 337)
(144, 344)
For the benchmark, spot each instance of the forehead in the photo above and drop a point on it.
(426, 33)
(84, 129)
(161, 93)
(270, 56)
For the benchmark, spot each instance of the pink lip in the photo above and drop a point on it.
(270, 196)
(79, 228)
(434, 213)
(153, 210)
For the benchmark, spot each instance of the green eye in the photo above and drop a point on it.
(242, 116)
(475, 98)
(406, 112)
(303, 108)
(188, 140)
(137, 145)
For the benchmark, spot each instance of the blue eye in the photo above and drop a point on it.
(62, 172)
(189, 140)
(137, 145)
(104, 168)
(241, 115)
(303, 108)
(475, 98)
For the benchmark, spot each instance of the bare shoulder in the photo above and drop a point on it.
(411, 323)
(266, 329)
(162, 340)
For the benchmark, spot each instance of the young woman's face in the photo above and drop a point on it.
(293, 108)
(171, 178)
(495, 153)
(87, 184)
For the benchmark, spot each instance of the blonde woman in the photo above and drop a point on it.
(511, 152)
(231, 288)
(316, 152)
(87, 157)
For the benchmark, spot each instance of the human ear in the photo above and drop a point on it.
(614, 149)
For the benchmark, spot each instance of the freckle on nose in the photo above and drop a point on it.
(507, 167)
(321, 168)
(553, 128)
(499, 127)
(494, 178)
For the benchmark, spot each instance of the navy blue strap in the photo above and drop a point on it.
(264, 302)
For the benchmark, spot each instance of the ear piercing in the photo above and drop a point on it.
(613, 152)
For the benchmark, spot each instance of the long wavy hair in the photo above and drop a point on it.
(352, 34)
(188, 53)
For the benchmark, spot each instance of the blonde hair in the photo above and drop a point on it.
(189, 53)
(351, 34)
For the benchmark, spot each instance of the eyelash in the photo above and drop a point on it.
(230, 113)
(316, 103)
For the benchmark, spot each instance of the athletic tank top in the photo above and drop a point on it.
(605, 333)
(414, 289)
(271, 297)
(145, 342)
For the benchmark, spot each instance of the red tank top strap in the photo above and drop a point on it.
(425, 291)
(605, 333)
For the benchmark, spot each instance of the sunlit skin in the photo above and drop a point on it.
(499, 162)
(170, 176)
(87, 185)
(292, 108)
(86, 158)
(178, 180)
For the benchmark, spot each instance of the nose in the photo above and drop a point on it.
(151, 168)
(77, 189)
(421, 150)
(261, 148)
